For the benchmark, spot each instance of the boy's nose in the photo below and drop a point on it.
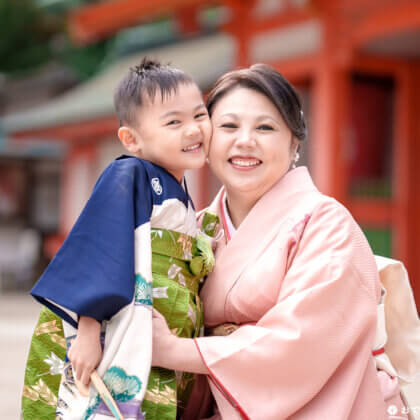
(192, 130)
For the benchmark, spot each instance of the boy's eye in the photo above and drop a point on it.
(229, 125)
(265, 127)
(201, 115)
(173, 122)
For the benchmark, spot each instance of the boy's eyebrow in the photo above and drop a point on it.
(170, 113)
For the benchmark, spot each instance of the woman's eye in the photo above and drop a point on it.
(173, 122)
(265, 127)
(229, 125)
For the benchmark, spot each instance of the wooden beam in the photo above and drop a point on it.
(390, 18)
(97, 21)
(278, 20)
(377, 65)
(297, 69)
(75, 132)
(373, 212)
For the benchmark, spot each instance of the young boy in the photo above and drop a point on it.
(100, 282)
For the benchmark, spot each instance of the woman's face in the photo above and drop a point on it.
(251, 147)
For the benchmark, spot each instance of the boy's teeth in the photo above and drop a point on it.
(242, 162)
(193, 147)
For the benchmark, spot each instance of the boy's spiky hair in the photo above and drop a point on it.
(149, 77)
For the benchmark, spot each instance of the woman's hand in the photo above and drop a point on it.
(85, 352)
(163, 340)
(172, 352)
(223, 329)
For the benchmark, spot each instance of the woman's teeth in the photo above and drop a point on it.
(193, 147)
(245, 163)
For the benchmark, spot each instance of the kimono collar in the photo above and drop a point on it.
(275, 207)
(228, 226)
(294, 181)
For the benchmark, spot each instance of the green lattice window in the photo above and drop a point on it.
(380, 240)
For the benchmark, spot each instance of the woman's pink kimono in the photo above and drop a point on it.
(300, 279)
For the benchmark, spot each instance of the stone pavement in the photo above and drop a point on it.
(18, 315)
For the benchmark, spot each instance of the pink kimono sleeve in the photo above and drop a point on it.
(316, 338)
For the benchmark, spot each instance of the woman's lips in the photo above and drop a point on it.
(244, 162)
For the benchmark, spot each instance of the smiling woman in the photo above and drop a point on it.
(295, 289)
(252, 147)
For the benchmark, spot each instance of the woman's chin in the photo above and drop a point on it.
(251, 188)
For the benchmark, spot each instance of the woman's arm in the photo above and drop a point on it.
(311, 352)
(172, 352)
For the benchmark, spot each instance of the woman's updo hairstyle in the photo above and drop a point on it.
(268, 81)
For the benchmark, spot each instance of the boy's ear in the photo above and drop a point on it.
(130, 139)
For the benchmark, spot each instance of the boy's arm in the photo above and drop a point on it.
(85, 352)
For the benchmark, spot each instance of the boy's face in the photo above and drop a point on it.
(174, 133)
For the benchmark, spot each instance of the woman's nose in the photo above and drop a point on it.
(245, 139)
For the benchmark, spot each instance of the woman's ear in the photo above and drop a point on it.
(129, 139)
(294, 147)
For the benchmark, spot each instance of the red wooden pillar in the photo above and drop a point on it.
(413, 218)
(85, 153)
(407, 174)
(329, 115)
(401, 156)
(188, 20)
(240, 29)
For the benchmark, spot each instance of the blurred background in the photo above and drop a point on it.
(356, 64)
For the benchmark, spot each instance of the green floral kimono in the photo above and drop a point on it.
(179, 264)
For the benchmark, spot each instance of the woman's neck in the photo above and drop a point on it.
(238, 205)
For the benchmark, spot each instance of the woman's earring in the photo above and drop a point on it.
(295, 160)
(207, 160)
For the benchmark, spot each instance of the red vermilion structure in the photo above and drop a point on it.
(350, 30)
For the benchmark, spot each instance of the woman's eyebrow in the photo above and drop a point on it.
(259, 118)
(265, 117)
(229, 114)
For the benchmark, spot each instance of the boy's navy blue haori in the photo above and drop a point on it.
(105, 270)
